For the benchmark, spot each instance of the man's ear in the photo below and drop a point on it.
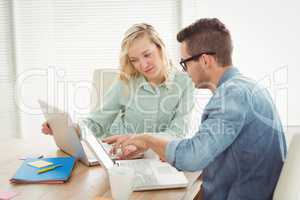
(206, 60)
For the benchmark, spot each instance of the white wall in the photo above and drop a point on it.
(266, 41)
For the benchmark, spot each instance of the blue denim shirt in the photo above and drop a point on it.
(240, 145)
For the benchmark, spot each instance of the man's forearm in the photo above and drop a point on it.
(157, 144)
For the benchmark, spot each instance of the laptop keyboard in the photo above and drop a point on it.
(144, 174)
(144, 179)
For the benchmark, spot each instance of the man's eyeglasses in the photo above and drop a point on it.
(194, 57)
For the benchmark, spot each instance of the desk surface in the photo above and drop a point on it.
(85, 182)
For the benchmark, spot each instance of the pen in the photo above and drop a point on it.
(48, 169)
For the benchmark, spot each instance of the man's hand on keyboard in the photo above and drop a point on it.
(134, 145)
(115, 141)
(116, 150)
(143, 142)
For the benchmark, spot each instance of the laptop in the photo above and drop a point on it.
(65, 136)
(150, 174)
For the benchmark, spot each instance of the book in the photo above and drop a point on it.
(28, 173)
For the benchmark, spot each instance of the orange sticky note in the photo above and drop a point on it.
(6, 195)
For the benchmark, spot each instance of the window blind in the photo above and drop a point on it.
(8, 113)
(60, 42)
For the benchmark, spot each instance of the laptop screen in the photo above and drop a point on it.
(98, 150)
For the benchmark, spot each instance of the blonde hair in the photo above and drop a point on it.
(134, 32)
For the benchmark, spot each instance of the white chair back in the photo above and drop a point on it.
(102, 81)
(287, 187)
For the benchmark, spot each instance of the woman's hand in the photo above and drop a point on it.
(46, 129)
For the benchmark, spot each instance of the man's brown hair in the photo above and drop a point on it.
(208, 35)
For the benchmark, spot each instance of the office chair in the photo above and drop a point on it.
(287, 187)
(102, 81)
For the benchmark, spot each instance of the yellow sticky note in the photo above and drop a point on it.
(40, 163)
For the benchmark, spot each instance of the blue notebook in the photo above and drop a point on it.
(28, 174)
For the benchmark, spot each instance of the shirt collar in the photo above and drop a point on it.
(228, 74)
(142, 82)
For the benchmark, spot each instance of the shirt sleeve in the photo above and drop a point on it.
(101, 119)
(179, 125)
(225, 117)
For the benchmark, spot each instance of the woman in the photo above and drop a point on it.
(149, 96)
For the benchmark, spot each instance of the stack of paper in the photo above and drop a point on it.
(28, 172)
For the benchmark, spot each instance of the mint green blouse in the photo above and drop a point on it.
(138, 107)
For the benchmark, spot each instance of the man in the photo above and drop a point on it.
(240, 145)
